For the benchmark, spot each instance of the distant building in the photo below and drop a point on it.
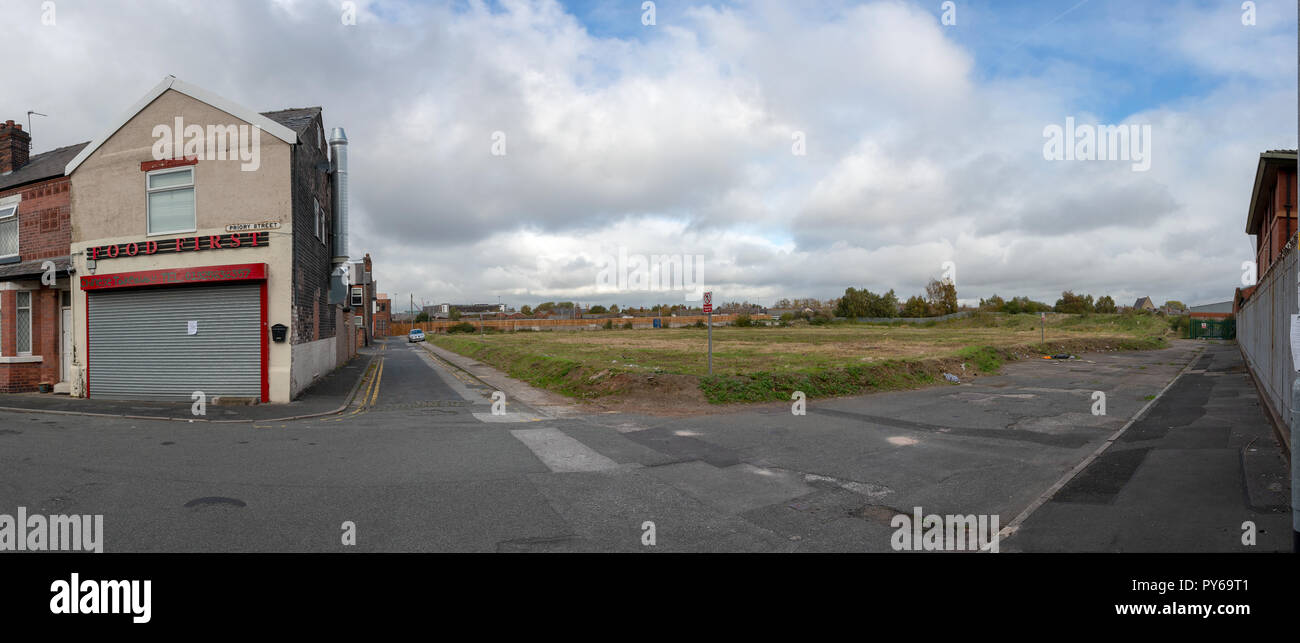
(1220, 310)
(443, 311)
(383, 314)
(1144, 304)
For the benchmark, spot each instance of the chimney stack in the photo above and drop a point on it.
(14, 146)
(339, 155)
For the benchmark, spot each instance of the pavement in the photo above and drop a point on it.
(327, 395)
(421, 461)
(1186, 477)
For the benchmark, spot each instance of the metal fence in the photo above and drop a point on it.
(1209, 328)
(591, 323)
(911, 320)
(1263, 330)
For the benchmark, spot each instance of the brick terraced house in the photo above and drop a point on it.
(383, 314)
(205, 249)
(36, 328)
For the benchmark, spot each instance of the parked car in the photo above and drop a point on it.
(416, 335)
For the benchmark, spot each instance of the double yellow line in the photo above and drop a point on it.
(371, 392)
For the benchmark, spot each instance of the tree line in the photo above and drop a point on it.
(940, 298)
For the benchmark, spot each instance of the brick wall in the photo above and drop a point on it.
(44, 219)
(14, 146)
(1279, 222)
(383, 317)
(44, 231)
(313, 316)
(25, 376)
(19, 378)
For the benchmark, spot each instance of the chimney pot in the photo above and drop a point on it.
(14, 147)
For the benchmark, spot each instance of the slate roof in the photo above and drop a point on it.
(33, 268)
(40, 167)
(296, 118)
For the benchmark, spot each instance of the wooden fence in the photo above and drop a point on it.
(396, 329)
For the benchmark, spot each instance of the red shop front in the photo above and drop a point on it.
(167, 334)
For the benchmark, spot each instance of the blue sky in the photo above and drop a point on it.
(1013, 38)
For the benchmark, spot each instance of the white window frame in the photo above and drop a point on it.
(18, 308)
(12, 209)
(320, 220)
(193, 186)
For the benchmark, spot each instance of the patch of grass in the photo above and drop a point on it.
(986, 358)
(771, 387)
(841, 358)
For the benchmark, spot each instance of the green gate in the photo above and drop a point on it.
(1212, 328)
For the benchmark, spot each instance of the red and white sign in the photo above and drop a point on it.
(177, 276)
(708, 302)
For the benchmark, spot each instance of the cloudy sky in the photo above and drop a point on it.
(923, 142)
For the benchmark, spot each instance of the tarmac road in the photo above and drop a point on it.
(420, 463)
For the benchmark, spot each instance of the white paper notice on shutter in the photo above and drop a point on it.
(192, 327)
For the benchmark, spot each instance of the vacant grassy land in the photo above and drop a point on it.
(754, 364)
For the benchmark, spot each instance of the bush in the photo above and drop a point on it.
(608, 325)
(699, 323)
(788, 317)
(1181, 324)
(463, 327)
(743, 321)
(627, 326)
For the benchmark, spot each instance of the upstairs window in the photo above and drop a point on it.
(8, 231)
(320, 220)
(171, 201)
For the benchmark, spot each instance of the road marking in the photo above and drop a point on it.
(507, 418)
(1014, 526)
(378, 381)
(561, 453)
(370, 393)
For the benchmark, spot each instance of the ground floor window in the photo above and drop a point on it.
(23, 323)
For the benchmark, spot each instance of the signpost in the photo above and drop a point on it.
(1042, 326)
(708, 310)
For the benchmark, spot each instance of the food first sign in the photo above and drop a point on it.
(179, 244)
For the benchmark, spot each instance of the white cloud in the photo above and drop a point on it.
(678, 141)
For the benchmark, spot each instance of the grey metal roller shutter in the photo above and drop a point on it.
(140, 348)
